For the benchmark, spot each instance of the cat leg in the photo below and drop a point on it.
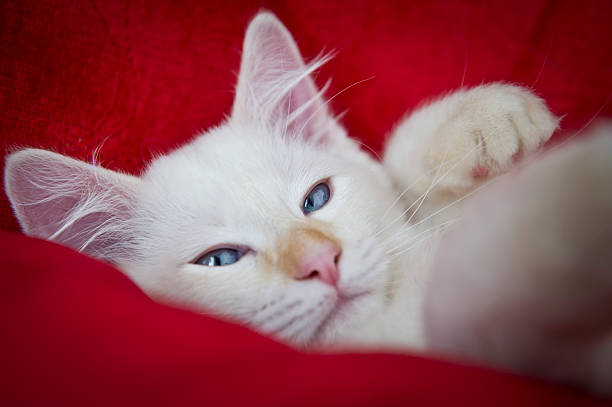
(524, 282)
(446, 148)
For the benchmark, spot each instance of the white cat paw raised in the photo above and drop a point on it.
(450, 145)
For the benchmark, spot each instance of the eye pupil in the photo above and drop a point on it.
(316, 198)
(214, 261)
(219, 257)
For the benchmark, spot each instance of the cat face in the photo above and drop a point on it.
(200, 199)
(272, 219)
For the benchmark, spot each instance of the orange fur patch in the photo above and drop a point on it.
(292, 248)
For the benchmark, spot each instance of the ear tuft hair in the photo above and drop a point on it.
(73, 203)
(275, 85)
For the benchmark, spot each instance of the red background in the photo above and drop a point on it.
(137, 78)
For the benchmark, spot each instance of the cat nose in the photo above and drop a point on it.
(321, 262)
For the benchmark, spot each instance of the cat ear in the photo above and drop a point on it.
(70, 202)
(275, 86)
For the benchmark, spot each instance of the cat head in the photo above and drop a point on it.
(272, 218)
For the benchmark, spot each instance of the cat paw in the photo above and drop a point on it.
(489, 129)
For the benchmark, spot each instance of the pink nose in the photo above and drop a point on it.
(320, 262)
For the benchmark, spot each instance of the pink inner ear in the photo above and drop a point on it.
(41, 219)
(70, 202)
(274, 83)
(300, 110)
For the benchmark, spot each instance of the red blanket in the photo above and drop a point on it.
(137, 78)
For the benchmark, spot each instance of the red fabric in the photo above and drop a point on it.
(137, 78)
(77, 332)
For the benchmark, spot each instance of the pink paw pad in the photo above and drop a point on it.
(518, 156)
(480, 171)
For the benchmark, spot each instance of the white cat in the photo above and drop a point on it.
(276, 218)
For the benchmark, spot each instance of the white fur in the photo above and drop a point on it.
(243, 184)
(213, 192)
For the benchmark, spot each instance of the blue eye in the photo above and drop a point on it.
(220, 257)
(316, 198)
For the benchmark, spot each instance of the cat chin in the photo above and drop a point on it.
(347, 312)
(343, 317)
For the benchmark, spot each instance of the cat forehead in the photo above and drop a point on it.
(234, 163)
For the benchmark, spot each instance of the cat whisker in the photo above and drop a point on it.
(472, 192)
(368, 270)
(400, 235)
(436, 180)
(299, 111)
(409, 187)
(465, 65)
(286, 116)
(543, 63)
(418, 200)
(584, 127)
(328, 101)
(289, 80)
(421, 198)
(361, 143)
(432, 233)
